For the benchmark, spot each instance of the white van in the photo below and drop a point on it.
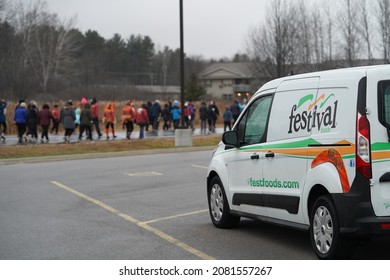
(312, 152)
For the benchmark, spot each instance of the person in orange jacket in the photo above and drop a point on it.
(109, 117)
(128, 117)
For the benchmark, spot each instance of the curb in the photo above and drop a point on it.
(98, 155)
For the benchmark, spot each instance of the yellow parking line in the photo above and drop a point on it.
(200, 166)
(144, 174)
(175, 216)
(143, 225)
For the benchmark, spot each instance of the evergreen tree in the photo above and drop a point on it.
(114, 56)
(194, 90)
(139, 56)
(92, 52)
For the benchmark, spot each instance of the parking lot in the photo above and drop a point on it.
(141, 207)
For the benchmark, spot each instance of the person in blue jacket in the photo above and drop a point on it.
(20, 120)
(227, 119)
(176, 114)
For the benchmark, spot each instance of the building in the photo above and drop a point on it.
(240, 80)
(228, 81)
(159, 92)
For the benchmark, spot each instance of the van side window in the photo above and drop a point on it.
(252, 126)
(384, 102)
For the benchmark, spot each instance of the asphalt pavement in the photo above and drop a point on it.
(140, 207)
(143, 207)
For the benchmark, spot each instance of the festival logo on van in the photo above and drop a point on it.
(319, 114)
(334, 157)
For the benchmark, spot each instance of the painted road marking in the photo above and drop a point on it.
(142, 225)
(200, 166)
(176, 216)
(144, 174)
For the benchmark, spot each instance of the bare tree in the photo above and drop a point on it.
(364, 28)
(329, 30)
(311, 36)
(305, 42)
(318, 35)
(4, 11)
(272, 46)
(166, 55)
(8, 9)
(47, 42)
(12, 63)
(383, 16)
(349, 32)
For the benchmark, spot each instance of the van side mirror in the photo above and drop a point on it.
(230, 138)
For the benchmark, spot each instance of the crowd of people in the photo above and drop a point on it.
(84, 116)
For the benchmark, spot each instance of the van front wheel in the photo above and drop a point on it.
(219, 207)
(325, 232)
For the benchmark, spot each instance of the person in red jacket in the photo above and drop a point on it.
(44, 117)
(55, 113)
(95, 116)
(142, 119)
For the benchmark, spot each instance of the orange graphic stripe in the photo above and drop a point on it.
(313, 104)
(311, 151)
(380, 155)
(334, 157)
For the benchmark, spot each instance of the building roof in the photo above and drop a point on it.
(228, 70)
(159, 89)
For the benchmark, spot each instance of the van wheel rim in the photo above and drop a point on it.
(216, 202)
(323, 230)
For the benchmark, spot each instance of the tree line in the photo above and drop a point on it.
(40, 55)
(43, 55)
(303, 36)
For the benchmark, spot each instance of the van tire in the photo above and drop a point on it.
(325, 237)
(219, 207)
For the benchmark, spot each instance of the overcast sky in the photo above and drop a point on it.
(212, 28)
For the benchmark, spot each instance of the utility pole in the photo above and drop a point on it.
(181, 64)
(183, 136)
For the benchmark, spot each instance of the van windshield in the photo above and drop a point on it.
(384, 102)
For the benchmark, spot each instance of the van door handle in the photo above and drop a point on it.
(269, 155)
(255, 156)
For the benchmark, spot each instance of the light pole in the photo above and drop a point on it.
(183, 137)
(181, 64)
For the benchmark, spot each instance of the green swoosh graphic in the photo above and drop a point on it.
(305, 99)
(323, 102)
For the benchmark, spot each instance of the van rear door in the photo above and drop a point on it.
(378, 114)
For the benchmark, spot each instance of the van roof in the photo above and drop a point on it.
(326, 74)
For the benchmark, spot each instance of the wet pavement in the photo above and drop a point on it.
(121, 135)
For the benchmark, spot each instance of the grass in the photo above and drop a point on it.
(7, 152)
